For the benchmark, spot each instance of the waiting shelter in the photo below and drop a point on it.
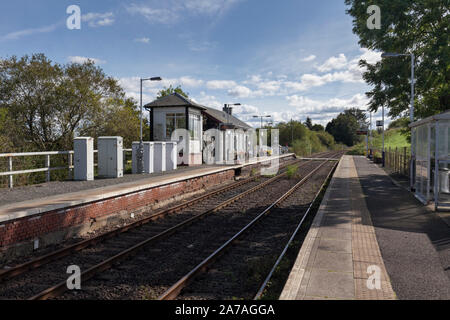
(431, 149)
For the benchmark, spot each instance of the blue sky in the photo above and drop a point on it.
(289, 59)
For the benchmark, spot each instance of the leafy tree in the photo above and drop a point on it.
(46, 104)
(407, 26)
(326, 139)
(170, 90)
(399, 123)
(359, 115)
(308, 123)
(343, 129)
(318, 127)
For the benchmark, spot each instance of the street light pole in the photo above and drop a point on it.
(140, 153)
(382, 119)
(267, 116)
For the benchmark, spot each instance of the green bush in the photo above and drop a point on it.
(291, 171)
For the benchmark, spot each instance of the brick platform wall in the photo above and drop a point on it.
(33, 227)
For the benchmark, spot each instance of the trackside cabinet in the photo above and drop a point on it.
(83, 148)
(148, 156)
(110, 157)
(171, 156)
(160, 157)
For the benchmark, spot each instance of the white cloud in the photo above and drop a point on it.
(172, 11)
(323, 111)
(209, 7)
(98, 19)
(81, 60)
(208, 100)
(142, 40)
(220, 84)
(190, 82)
(309, 58)
(28, 32)
(154, 15)
(333, 63)
(240, 92)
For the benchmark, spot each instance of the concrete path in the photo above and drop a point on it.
(414, 241)
(340, 247)
(367, 226)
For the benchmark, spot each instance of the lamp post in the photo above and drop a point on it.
(140, 153)
(267, 116)
(411, 108)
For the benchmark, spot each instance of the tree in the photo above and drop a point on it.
(308, 123)
(46, 104)
(407, 26)
(170, 90)
(359, 115)
(343, 129)
(318, 127)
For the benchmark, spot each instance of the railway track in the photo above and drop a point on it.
(45, 277)
(236, 265)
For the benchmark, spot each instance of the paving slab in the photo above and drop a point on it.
(414, 241)
(55, 195)
(340, 257)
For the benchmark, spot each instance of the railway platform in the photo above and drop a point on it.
(371, 239)
(35, 216)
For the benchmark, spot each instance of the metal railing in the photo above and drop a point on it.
(11, 173)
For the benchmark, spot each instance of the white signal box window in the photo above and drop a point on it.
(83, 158)
(110, 157)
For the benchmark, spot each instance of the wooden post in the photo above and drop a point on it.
(10, 164)
(404, 161)
(396, 159)
(389, 158)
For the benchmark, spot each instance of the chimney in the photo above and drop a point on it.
(227, 109)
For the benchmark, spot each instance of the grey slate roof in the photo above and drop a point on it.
(177, 100)
(173, 100)
(222, 117)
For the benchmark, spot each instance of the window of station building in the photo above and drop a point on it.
(194, 126)
(174, 121)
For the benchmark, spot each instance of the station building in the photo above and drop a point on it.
(231, 138)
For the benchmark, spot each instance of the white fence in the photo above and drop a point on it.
(47, 167)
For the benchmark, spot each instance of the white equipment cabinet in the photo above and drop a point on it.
(83, 148)
(110, 157)
(159, 164)
(171, 156)
(148, 156)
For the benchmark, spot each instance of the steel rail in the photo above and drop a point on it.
(294, 234)
(106, 264)
(175, 289)
(42, 260)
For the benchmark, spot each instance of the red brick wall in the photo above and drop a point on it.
(32, 227)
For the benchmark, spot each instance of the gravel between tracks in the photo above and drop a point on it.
(32, 282)
(239, 273)
(150, 273)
